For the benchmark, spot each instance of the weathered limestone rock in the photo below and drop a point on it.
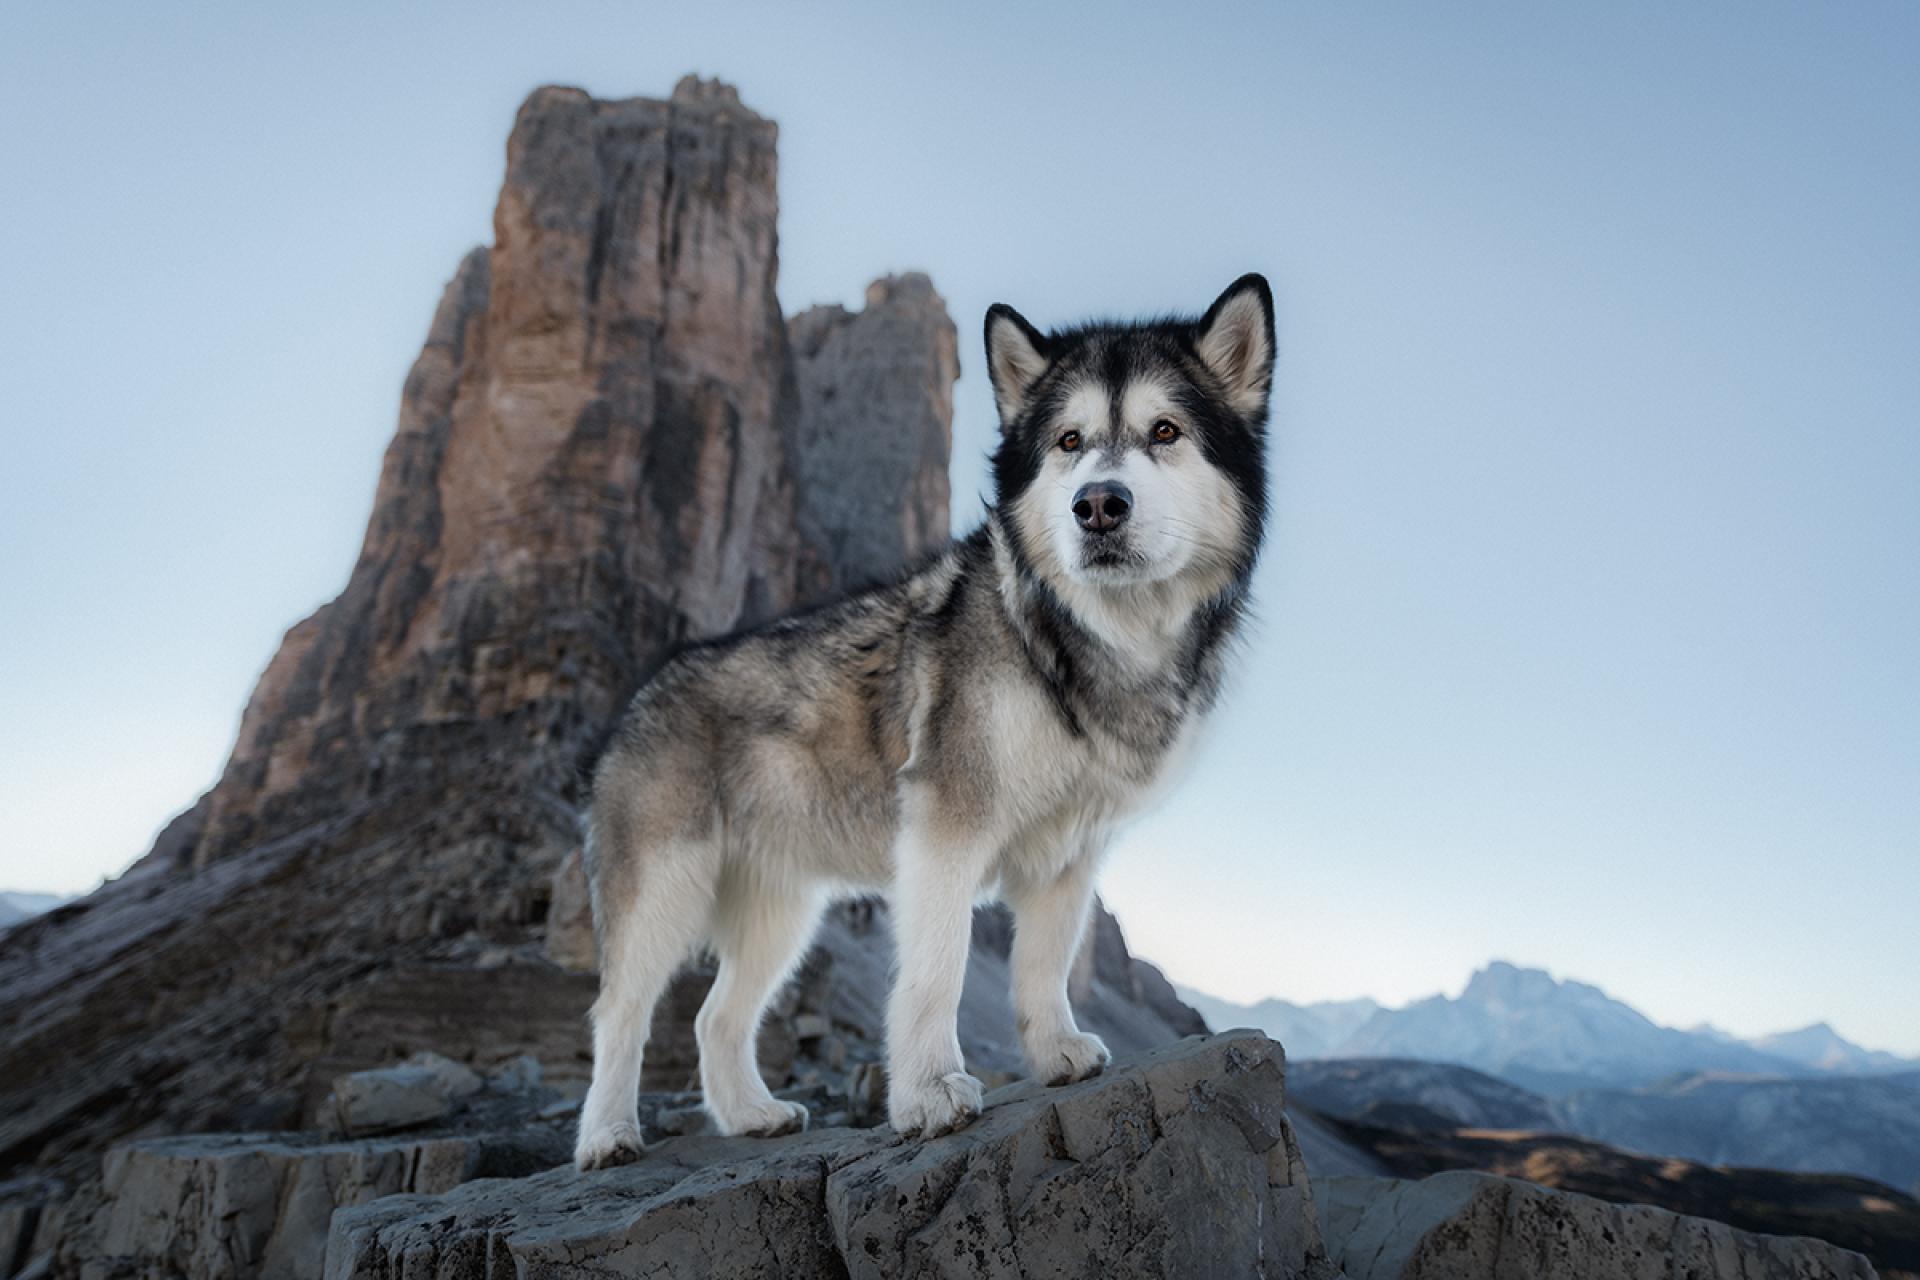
(241, 1205)
(1474, 1226)
(424, 1087)
(1177, 1163)
(594, 460)
(875, 427)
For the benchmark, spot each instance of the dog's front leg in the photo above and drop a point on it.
(935, 881)
(1049, 920)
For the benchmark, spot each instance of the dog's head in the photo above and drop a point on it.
(1135, 453)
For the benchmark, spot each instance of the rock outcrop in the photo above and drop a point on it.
(259, 1205)
(595, 460)
(1473, 1226)
(882, 376)
(1178, 1163)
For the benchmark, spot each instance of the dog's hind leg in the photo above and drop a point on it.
(652, 907)
(760, 932)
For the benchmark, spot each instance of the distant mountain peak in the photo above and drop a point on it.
(1821, 1048)
(1502, 980)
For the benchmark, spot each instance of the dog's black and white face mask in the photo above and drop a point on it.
(1135, 454)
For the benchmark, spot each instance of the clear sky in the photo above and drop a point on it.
(1592, 606)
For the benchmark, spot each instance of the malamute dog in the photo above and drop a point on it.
(979, 727)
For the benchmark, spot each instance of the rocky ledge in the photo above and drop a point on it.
(1180, 1162)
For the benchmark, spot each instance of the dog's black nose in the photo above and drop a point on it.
(1102, 506)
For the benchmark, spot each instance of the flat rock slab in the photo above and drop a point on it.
(1177, 1163)
(425, 1087)
(1475, 1226)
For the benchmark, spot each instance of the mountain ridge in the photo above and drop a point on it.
(1554, 1036)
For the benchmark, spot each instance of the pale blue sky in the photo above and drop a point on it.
(1591, 613)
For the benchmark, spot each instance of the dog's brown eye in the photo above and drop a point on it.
(1070, 441)
(1165, 432)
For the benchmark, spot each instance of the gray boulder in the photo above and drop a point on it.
(1474, 1226)
(1178, 1163)
(424, 1087)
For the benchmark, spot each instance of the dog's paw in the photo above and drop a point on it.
(608, 1147)
(1068, 1057)
(768, 1119)
(936, 1106)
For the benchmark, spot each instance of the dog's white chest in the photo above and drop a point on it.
(1092, 778)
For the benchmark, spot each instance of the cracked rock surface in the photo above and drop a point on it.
(258, 1204)
(1179, 1162)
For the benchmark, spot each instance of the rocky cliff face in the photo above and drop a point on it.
(596, 459)
(884, 376)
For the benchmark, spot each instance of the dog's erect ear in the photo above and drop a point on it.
(1235, 342)
(1016, 357)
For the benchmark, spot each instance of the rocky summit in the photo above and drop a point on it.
(1179, 1163)
(333, 1023)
